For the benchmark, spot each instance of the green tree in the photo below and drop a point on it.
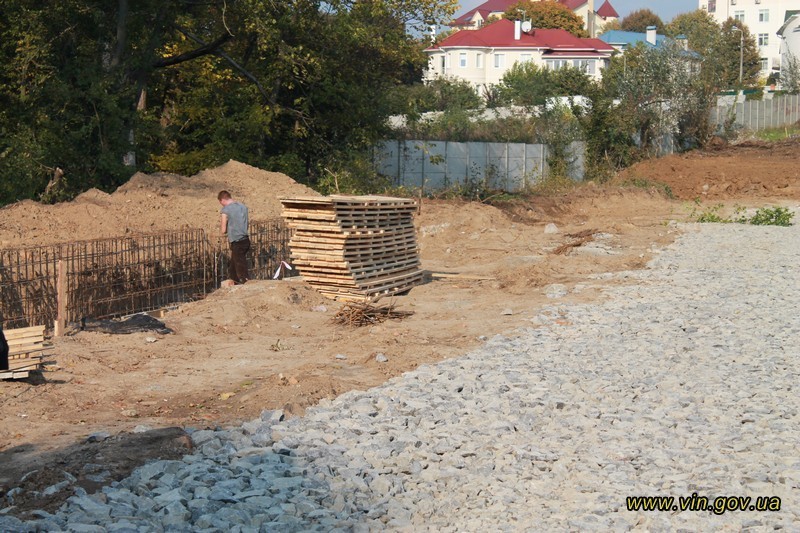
(726, 55)
(440, 94)
(661, 93)
(640, 19)
(547, 14)
(102, 89)
(525, 84)
(790, 74)
(700, 29)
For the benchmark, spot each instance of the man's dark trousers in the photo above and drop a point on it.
(237, 270)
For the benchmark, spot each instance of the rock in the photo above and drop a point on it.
(381, 358)
(507, 312)
(320, 309)
(150, 339)
(100, 436)
(130, 413)
(341, 356)
(556, 290)
(551, 229)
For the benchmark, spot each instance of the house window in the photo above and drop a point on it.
(586, 65)
(763, 39)
(444, 63)
(478, 60)
(462, 60)
(738, 16)
(555, 64)
(764, 63)
(499, 61)
(763, 15)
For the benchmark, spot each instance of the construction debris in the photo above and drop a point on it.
(356, 314)
(354, 247)
(582, 237)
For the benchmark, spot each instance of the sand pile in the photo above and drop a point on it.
(147, 203)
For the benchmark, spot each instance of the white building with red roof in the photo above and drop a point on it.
(593, 20)
(483, 56)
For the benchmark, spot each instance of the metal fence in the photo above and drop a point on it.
(781, 110)
(120, 276)
(435, 165)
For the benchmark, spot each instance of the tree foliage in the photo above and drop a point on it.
(527, 84)
(101, 89)
(640, 19)
(662, 93)
(726, 55)
(547, 14)
(718, 47)
(790, 74)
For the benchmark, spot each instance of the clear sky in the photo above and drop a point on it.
(666, 9)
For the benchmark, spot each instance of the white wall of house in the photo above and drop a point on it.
(486, 66)
(762, 17)
(790, 41)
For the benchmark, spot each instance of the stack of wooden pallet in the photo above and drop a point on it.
(354, 247)
(26, 351)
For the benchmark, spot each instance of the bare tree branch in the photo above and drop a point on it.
(206, 49)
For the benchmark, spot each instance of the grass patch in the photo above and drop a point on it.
(764, 216)
(777, 134)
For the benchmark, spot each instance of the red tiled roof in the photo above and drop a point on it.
(492, 6)
(500, 34)
(607, 10)
(599, 44)
(573, 4)
(495, 6)
(573, 54)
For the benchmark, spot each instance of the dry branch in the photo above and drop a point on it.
(365, 314)
(582, 234)
(564, 248)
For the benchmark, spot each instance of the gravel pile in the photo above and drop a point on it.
(683, 381)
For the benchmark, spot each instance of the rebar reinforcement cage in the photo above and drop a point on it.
(125, 275)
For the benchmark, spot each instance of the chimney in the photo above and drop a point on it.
(591, 18)
(683, 41)
(517, 29)
(651, 35)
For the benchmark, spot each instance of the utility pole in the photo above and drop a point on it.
(741, 51)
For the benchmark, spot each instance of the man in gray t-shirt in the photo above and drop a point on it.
(234, 223)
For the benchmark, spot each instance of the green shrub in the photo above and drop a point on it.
(772, 216)
(765, 216)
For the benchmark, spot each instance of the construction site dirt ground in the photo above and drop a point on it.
(272, 344)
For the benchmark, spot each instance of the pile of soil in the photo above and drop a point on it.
(728, 171)
(148, 203)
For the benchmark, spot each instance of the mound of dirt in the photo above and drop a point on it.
(759, 169)
(148, 203)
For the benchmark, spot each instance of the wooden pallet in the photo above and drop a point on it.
(354, 247)
(26, 352)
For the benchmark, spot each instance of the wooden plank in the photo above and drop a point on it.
(26, 348)
(23, 374)
(455, 275)
(23, 332)
(30, 364)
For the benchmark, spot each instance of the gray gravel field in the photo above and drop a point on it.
(683, 382)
